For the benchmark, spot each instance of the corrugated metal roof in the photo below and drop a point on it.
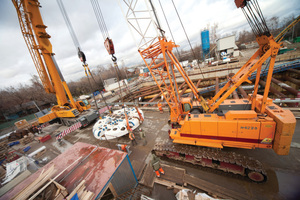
(96, 169)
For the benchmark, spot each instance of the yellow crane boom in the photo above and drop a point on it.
(37, 40)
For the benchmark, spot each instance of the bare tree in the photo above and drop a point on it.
(213, 33)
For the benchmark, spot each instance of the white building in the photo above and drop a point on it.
(226, 46)
(112, 84)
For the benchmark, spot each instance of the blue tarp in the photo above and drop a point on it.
(75, 197)
(96, 93)
(13, 143)
(26, 149)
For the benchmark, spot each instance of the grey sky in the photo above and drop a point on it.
(17, 67)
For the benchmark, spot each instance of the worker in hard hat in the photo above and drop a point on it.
(159, 105)
(143, 136)
(124, 148)
(155, 162)
(132, 138)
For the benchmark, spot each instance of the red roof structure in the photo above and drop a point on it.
(96, 166)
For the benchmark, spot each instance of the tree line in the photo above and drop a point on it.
(13, 99)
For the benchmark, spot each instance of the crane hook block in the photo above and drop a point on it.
(109, 45)
(81, 56)
(241, 3)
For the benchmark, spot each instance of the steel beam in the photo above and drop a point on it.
(286, 87)
(183, 90)
(217, 86)
(273, 90)
(235, 94)
(294, 71)
(197, 85)
(242, 91)
(293, 80)
(287, 100)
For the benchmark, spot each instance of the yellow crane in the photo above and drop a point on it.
(40, 48)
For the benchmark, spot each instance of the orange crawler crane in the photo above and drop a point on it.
(200, 128)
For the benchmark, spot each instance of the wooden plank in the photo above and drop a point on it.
(57, 192)
(168, 183)
(82, 193)
(25, 193)
(33, 196)
(76, 189)
(173, 174)
(148, 177)
(58, 185)
(159, 94)
(154, 98)
(39, 154)
(144, 89)
(90, 195)
(138, 168)
(213, 188)
(14, 182)
(59, 197)
(112, 189)
(147, 93)
(81, 190)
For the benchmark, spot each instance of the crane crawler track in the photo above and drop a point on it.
(213, 158)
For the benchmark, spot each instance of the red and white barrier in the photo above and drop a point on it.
(68, 130)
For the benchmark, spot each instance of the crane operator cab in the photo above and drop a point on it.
(186, 104)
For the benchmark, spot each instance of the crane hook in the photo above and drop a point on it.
(113, 58)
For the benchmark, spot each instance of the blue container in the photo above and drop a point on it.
(205, 42)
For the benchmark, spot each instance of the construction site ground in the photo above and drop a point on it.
(283, 171)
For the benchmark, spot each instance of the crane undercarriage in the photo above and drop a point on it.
(213, 158)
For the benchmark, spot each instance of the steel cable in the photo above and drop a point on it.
(105, 34)
(169, 29)
(100, 18)
(255, 18)
(68, 23)
(77, 46)
(187, 36)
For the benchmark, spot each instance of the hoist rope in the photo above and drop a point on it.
(255, 18)
(187, 37)
(68, 23)
(162, 32)
(100, 19)
(170, 30)
(80, 53)
(104, 31)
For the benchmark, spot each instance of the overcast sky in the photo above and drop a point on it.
(16, 65)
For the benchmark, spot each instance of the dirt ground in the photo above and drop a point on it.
(283, 171)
